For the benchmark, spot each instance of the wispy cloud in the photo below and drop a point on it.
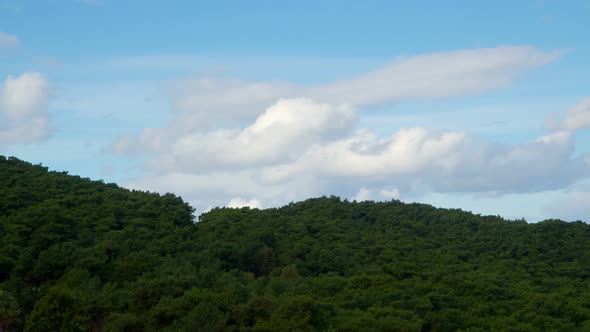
(436, 75)
(578, 117)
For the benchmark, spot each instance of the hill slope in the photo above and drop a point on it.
(82, 255)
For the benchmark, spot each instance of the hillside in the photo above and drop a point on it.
(78, 255)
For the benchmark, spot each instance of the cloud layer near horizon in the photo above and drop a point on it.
(234, 142)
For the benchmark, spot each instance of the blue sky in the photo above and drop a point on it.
(482, 106)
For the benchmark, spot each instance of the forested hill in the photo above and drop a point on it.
(81, 255)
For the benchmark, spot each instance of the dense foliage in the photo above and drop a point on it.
(81, 255)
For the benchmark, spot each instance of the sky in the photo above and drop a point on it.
(478, 105)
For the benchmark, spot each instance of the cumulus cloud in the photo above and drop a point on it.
(282, 132)
(426, 159)
(362, 195)
(578, 117)
(203, 104)
(8, 40)
(230, 139)
(443, 161)
(23, 108)
(24, 95)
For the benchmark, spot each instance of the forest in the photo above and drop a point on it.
(83, 255)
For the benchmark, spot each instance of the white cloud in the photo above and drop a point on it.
(578, 117)
(435, 75)
(215, 184)
(238, 202)
(23, 108)
(443, 161)
(8, 40)
(230, 139)
(362, 195)
(282, 132)
(366, 194)
(218, 98)
(24, 95)
(416, 159)
(216, 188)
(390, 194)
(205, 102)
(29, 131)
